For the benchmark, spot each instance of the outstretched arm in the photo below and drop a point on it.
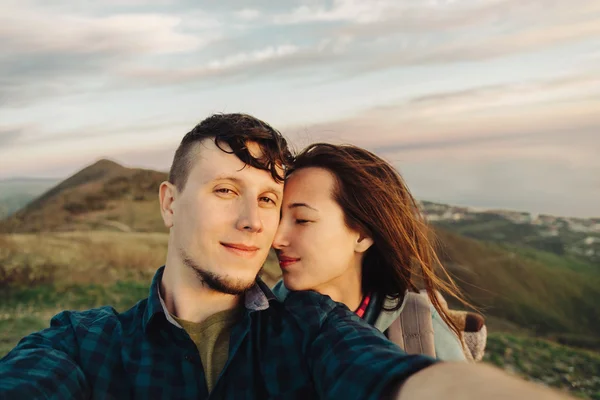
(455, 380)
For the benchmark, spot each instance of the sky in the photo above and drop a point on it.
(485, 103)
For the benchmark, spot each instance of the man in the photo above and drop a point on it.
(209, 328)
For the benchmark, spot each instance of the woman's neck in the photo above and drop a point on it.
(346, 289)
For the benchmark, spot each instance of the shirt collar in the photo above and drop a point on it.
(255, 299)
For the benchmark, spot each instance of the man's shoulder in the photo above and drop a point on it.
(101, 318)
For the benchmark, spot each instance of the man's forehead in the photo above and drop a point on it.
(214, 163)
(254, 149)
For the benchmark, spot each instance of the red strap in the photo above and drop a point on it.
(360, 311)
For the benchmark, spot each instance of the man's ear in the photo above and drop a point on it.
(166, 196)
(362, 243)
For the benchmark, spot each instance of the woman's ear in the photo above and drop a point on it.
(363, 243)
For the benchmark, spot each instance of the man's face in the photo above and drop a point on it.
(224, 220)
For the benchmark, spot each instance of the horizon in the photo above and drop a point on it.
(471, 208)
(490, 103)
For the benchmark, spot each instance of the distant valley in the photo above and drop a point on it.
(563, 236)
(15, 193)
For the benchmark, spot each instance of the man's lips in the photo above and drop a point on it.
(240, 248)
(285, 261)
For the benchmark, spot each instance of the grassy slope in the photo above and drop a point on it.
(104, 195)
(573, 370)
(543, 296)
(494, 228)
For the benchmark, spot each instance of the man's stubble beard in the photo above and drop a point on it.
(218, 283)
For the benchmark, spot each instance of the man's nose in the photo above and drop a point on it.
(249, 219)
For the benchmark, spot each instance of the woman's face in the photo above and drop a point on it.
(315, 247)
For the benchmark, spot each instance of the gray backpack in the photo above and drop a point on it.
(413, 329)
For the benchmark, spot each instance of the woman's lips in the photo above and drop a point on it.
(285, 261)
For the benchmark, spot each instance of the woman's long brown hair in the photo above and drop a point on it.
(377, 203)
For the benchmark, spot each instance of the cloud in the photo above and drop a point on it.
(352, 38)
(235, 64)
(9, 135)
(340, 10)
(575, 146)
(388, 34)
(55, 51)
(584, 85)
(48, 52)
(554, 118)
(23, 32)
(29, 149)
(541, 186)
(247, 14)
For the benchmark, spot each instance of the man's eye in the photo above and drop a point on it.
(224, 191)
(268, 200)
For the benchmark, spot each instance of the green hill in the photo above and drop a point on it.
(104, 195)
(545, 297)
(572, 238)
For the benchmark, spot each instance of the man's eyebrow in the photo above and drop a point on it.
(228, 178)
(296, 205)
(275, 190)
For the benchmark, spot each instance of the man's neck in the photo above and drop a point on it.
(191, 300)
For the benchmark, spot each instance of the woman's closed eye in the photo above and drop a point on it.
(302, 221)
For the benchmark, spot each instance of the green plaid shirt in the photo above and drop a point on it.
(306, 347)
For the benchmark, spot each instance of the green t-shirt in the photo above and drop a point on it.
(211, 337)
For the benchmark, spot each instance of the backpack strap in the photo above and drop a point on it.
(413, 329)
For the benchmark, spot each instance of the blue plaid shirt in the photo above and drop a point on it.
(305, 347)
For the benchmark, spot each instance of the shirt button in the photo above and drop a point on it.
(189, 358)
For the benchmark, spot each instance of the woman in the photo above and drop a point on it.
(350, 229)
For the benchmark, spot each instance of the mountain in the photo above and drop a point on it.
(544, 296)
(15, 193)
(573, 238)
(103, 195)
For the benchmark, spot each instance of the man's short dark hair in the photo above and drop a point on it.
(237, 131)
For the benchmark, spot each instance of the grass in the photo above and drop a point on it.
(80, 257)
(551, 259)
(547, 363)
(27, 310)
(43, 274)
(547, 299)
(497, 229)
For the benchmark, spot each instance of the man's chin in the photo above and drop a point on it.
(225, 283)
(233, 282)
